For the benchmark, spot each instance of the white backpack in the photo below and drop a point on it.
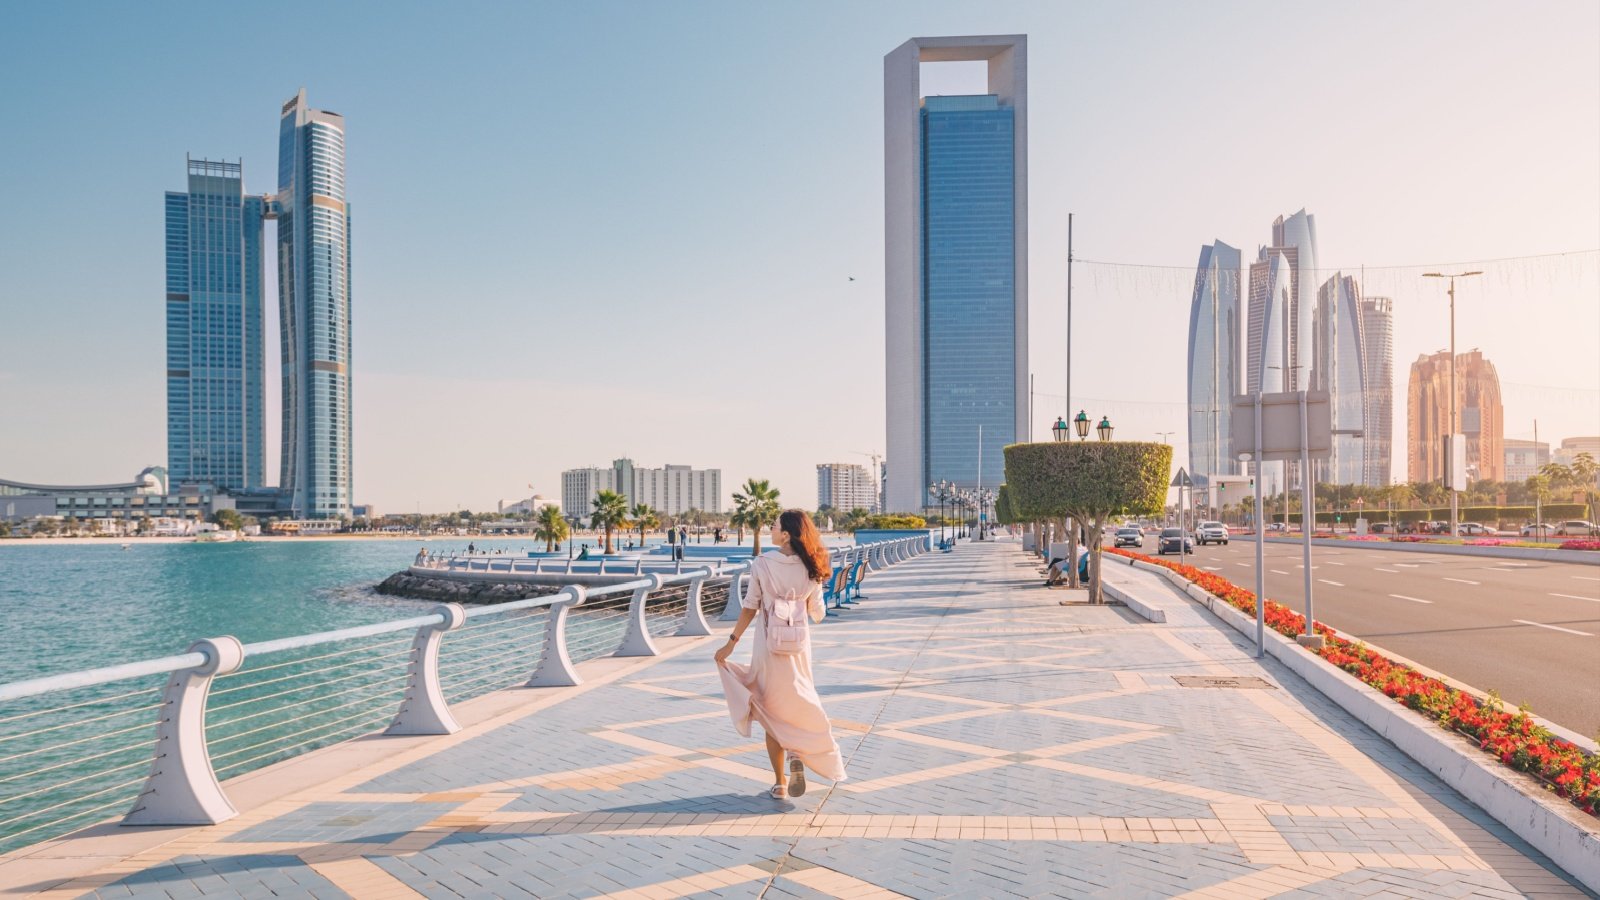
(786, 618)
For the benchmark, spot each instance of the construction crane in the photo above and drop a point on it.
(877, 471)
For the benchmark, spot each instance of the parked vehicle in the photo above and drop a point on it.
(1277, 526)
(1213, 533)
(1381, 528)
(1473, 529)
(1533, 529)
(1174, 540)
(1578, 528)
(1131, 537)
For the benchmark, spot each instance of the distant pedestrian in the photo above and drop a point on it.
(778, 689)
(471, 548)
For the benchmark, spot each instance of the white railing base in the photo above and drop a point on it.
(182, 788)
(637, 641)
(424, 710)
(735, 598)
(694, 617)
(555, 665)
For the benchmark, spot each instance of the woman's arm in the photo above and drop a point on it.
(745, 618)
(814, 605)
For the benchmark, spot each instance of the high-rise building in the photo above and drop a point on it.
(1480, 417)
(1214, 361)
(673, 490)
(956, 267)
(1296, 238)
(1339, 368)
(314, 311)
(846, 486)
(215, 366)
(1267, 335)
(1377, 334)
(1525, 458)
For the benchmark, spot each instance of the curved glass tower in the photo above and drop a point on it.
(1340, 369)
(1214, 363)
(314, 310)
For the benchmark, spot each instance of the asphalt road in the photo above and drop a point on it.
(1528, 629)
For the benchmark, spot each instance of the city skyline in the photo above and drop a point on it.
(468, 300)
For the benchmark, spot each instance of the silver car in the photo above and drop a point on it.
(1212, 533)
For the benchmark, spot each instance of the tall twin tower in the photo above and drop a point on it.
(216, 369)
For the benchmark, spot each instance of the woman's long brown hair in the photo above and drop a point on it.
(806, 543)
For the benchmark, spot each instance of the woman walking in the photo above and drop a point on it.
(777, 689)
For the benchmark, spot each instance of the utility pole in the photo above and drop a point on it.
(1069, 314)
(1450, 444)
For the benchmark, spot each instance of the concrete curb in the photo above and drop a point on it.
(1569, 837)
(1139, 607)
(1576, 557)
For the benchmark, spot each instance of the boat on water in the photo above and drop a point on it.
(224, 536)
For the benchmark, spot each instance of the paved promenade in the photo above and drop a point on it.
(998, 745)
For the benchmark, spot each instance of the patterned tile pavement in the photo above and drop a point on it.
(999, 745)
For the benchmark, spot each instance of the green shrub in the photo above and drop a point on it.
(1003, 512)
(892, 521)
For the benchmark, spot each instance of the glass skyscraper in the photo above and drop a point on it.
(314, 311)
(956, 268)
(1377, 334)
(215, 366)
(1214, 362)
(1339, 367)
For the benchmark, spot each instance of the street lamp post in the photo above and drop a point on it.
(1450, 444)
(1059, 429)
(1104, 428)
(1081, 422)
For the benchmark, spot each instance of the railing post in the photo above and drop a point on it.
(637, 641)
(182, 788)
(694, 618)
(424, 710)
(735, 597)
(555, 665)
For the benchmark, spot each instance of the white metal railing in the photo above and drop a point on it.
(76, 745)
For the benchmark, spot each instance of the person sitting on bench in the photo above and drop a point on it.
(1058, 568)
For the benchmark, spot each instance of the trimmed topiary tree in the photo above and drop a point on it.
(1003, 513)
(1091, 481)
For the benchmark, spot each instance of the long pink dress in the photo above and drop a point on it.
(778, 691)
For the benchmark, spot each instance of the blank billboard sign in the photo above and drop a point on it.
(1280, 425)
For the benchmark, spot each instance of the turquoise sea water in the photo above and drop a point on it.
(72, 757)
(78, 606)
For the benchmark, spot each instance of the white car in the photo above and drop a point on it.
(1212, 533)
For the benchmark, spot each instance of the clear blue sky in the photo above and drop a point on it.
(589, 230)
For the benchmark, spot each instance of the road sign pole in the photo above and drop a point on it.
(1261, 545)
(1308, 512)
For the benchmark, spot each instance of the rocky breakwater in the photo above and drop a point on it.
(449, 590)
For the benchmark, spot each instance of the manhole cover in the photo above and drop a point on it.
(1248, 682)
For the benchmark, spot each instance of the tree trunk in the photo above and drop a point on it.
(608, 538)
(755, 533)
(1070, 527)
(1095, 595)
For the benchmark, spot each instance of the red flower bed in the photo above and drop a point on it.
(1513, 737)
(1579, 545)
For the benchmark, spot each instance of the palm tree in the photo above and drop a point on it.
(1557, 474)
(610, 510)
(550, 527)
(756, 505)
(1584, 469)
(644, 517)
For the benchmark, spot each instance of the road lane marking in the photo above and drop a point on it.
(1586, 578)
(1326, 581)
(1408, 565)
(1390, 571)
(1245, 564)
(1554, 627)
(1212, 568)
(1576, 597)
(1277, 572)
(1335, 564)
(1461, 580)
(1518, 565)
(1412, 599)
